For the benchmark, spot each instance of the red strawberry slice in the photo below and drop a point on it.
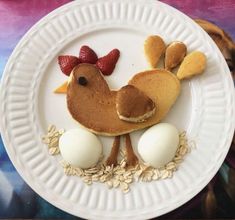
(107, 63)
(67, 63)
(87, 55)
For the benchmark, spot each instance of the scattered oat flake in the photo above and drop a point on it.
(126, 190)
(102, 179)
(54, 151)
(116, 183)
(164, 174)
(124, 185)
(183, 151)
(109, 184)
(130, 180)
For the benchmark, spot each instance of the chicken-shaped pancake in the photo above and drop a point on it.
(145, 101)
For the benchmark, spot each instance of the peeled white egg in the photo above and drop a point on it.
(158, 145)
(80, 148)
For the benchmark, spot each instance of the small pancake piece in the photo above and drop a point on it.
(154, 48)
(175, 53)
(193, 64)
(134, 105)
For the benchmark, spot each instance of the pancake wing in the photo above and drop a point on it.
(134, 105)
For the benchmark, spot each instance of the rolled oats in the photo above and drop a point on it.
(126, 190)
(124, 186)
(129, 180)
(54, 150)
(109, 184)
(183, 151)
(156, 175)
(171, 166)
(164, 174)
(51, 128)
(103, 179)
(119, 176)
(95, 178)
(116, 183)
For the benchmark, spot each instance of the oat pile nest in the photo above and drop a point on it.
(119, 176)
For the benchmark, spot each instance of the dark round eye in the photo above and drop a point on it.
(82, 81)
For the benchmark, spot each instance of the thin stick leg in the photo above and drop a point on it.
(132, 159)
(112, 159)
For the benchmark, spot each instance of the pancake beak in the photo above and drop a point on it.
(62, 89)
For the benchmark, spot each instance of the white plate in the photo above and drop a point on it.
(205, 107)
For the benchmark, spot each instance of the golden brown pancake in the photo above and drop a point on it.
(192, 65)
(175, 53)
(154, 48)
(94, 105)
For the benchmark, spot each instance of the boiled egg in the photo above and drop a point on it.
(158, 145)
(80, 148)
